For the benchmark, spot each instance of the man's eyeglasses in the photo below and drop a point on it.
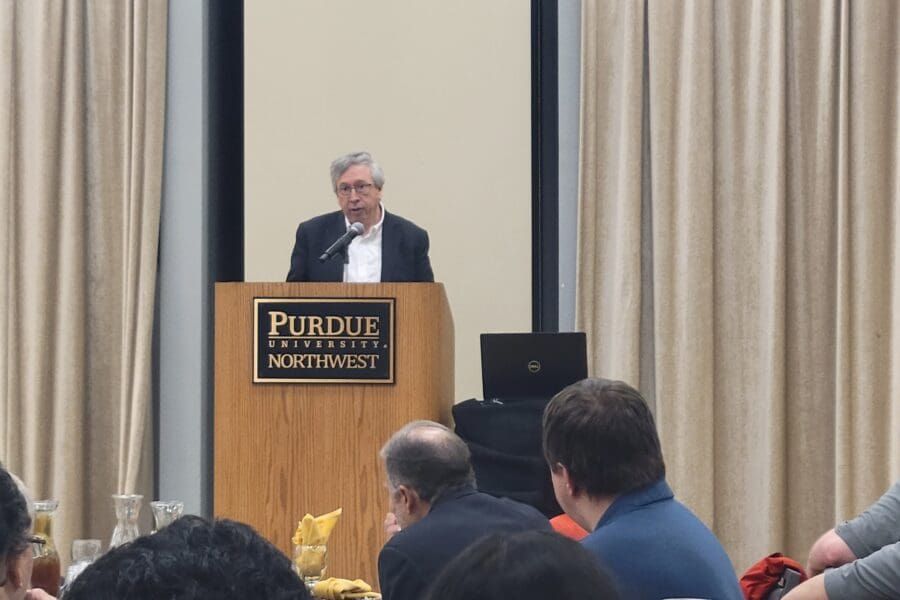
(37, 546)
(345, 189)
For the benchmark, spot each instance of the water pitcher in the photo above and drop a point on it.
(46, 570)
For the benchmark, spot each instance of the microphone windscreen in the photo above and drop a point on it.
(358, 228)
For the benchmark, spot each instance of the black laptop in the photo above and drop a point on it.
(531, 365)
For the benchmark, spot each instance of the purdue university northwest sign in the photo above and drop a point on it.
(318, 340)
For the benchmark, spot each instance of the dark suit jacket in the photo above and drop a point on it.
(404, 250)
(411, 559)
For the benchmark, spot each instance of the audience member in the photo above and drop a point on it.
(564, 525)
(862, 556)
(532, 564)
(436, 510)
(16, 542)
(192, 559)
(608, 473)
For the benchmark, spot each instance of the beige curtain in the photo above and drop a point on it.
(738, 232)
(82, 91)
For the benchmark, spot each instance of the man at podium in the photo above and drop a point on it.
(361, 242)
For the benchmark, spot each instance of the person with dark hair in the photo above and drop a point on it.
(386, 248)
(16, 542)
(533, 564)
(608, 474)
(192, 559)
(435, 510)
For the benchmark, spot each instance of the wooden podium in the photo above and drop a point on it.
(285, 449)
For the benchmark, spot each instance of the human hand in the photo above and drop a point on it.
(391, 525)
(38, 594)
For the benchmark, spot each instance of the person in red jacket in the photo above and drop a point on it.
(565, 525)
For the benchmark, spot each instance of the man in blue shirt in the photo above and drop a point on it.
(608, 474)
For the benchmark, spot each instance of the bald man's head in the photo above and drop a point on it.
(429, 458)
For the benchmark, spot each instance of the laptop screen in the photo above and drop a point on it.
(536, 365)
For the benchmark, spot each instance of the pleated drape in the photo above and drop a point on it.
(82, 94)
(738, 226)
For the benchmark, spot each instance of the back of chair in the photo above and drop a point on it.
(505, 440)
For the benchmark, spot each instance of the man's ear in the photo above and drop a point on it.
(409, 498)
(16, 570)
(572, 488)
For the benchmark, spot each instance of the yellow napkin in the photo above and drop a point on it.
(315, 531)
(311, 537)
(343, 589)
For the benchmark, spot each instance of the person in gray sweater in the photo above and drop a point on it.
(862, 556)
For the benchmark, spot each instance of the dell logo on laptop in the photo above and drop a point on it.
(534, 366)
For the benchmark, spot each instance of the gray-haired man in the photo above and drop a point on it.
(437, 508)
(389, 248)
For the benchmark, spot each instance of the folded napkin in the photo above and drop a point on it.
(343, 589)
(315, 531)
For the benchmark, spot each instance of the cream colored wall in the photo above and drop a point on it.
(440, 92)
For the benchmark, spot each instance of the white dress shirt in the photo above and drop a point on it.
(365, 255)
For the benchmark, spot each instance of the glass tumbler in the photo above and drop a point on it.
(309, 562)
(86, 551)
(164, 512)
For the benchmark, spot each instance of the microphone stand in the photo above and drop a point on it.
(342, 243)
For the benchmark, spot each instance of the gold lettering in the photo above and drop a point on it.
(337, 361)
(372, 326)
(301, 361)
(315, 326)
(350, 331)
(277, 318)
(294, 329)
(347, 361)
(299, 326)
(322, 361)
(335, 325)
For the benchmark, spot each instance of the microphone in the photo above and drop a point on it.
(343, 241)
